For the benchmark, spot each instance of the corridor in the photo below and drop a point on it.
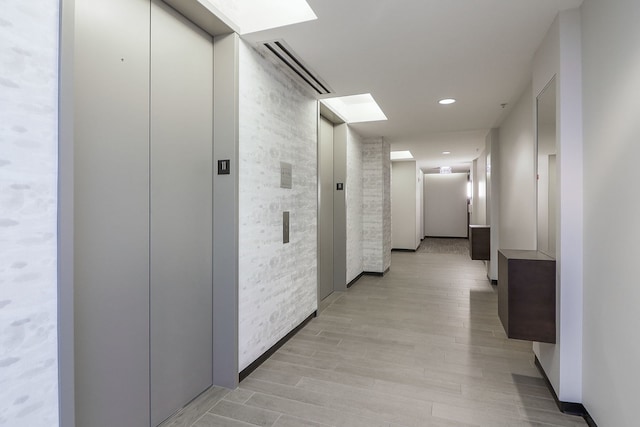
(421, 346)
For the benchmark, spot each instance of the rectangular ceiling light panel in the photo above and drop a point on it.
(401, 155)
(355, 108)
(250, 16)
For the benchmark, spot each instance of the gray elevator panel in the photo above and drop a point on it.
(181, 211)
(340, 208)
(111, 213)
(325, 235)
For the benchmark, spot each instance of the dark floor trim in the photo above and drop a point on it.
(403, 250)
(376, 273)
(355, 280)
(260, 360)
(570, 408)
(588, 419)
(445, 237)
(366, 273)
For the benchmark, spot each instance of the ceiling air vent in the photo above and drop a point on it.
(289, 58)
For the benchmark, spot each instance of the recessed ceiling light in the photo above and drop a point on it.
(249, 16)
(401, 155)
(355, 108)
(446, 101)
(446, 152)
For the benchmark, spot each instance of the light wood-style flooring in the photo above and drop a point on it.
(421, 346)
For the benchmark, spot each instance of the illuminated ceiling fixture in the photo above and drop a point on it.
(250, 16)
(401, 155)
(445, 169)
(446, 152)
(355, 108)
(446, 101)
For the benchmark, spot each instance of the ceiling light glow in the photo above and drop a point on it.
(446, 152)
(445, 169)
(250, 16)
(446, 101)
(355, 108)
(401, 155)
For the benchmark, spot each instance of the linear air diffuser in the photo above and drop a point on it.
(288, 57)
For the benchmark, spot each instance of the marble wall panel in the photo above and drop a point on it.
(28, 213)
(376, 217)
(277, 282)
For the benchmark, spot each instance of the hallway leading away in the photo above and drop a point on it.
(421, 346)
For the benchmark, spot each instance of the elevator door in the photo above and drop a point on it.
(181, 193)
(325, 287)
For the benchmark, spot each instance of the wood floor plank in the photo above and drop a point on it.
(187, 416)
(312, 413)
(239, 412)
(213, 420)
(421, 346)
(290, 421)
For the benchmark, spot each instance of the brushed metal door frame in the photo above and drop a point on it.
(325, 208)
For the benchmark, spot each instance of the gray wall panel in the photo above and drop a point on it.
(66, 364)
(340, 208)
(225, 212)
(325, 162)
(181, 210)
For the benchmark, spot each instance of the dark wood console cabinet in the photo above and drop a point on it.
(479, 242)
(527, 295)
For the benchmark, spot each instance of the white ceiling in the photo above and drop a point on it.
(410, 53)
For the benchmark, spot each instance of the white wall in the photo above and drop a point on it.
(28, 204)
(445, 205)
(354, 194)
(420, 205)
(560, 55)
(403, 205)
(479, 178)
(611, 64)
(277, 282)
(517, 226)
(376, 206)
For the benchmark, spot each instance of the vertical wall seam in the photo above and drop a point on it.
(149, 208)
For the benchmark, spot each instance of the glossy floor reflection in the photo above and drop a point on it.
(421, 346)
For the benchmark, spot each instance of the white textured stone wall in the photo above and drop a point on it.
(376, 202)
(386, 205)
(277, 282)
(28, 204)
(354, 186)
